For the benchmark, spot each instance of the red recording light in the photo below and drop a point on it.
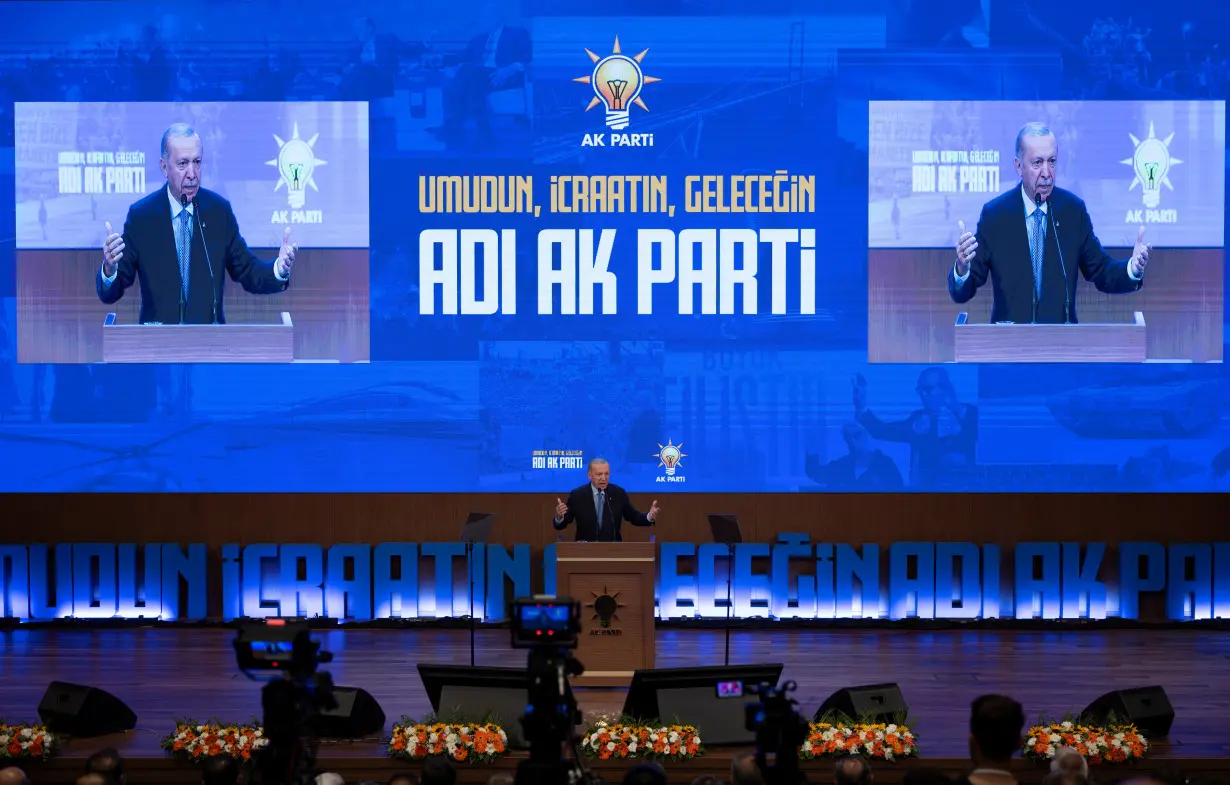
(539, 632)
(276, 623)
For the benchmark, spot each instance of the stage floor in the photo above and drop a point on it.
(165, 674)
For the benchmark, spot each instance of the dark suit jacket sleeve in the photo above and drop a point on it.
(253, 274)
(569, 516)
(126, 270)
(633, 515)
(979, 266)
(1099, 268)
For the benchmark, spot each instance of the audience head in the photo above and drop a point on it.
(1069, 761)
(852, 771)
(501, 779)
(93, 779)
(995, 725)
(1064, 778)
(220, 770)
(744, 771)
(708, 779)
(403, 779)
(438, 770)
(13, 776)
(108, 763)
(645, 774)
(330, 778)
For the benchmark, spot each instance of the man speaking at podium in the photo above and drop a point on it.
(599, 507)
(1032, 240)
(177, 242)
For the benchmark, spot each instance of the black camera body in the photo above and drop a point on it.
(550, 627)
(780, 732)
(292, 700)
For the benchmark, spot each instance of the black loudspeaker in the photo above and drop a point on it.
(357, 715)
(881, 701)
(84, 712)
(1147, 708)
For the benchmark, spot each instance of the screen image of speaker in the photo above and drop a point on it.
(884, 702)
(1148, 708)
(84, 712)
(357, 715)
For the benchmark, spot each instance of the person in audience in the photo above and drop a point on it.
(852, 771)
(403, 779)
(220, 770)
(94, 779)
(744, 771)
(13, 776)
(438, 770)
(1069, 761)
(864, 468)
(501, 779)
(109, 764)
(708, 779)
(995, 726)
(645, 774)
(1064, 778)
(330, 778)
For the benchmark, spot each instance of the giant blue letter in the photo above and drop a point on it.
(1038, 591)
(43, 607)
(191, 567)
(867, 603)
(140, 593)
(1142, 567)
(803, 604)
(673, 586)
(1190, 599)
(502, 567)
(396, 597)
(14, 582)
(349, 598)
(911, 596)
(1084, 596)
(256, 604)
(957, 598)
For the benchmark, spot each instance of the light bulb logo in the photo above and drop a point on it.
(617, 81)
(1151, 163)
(295, 162)
(669, 456)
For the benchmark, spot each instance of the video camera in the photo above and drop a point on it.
(292, 699)
(780, 731)
(549, 627)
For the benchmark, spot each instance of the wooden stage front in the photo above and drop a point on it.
(164, 674)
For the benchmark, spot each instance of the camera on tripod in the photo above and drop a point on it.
(293, 698)
(780, 732)
(549, 627)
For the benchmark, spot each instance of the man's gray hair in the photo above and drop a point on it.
(1029, 129)
(852, 770)
(596, 462)
(175, 131)
(1068, 761)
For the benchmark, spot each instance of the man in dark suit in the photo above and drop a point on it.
(599, 508)
(1031, 241)
(493, 60)
(178, 241)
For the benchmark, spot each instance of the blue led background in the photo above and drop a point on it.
(461, 403)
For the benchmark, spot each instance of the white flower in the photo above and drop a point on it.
(696, 740)
(610, 745)
(1065, 725)
(1054, 738)
(807, 746)
(891, 729)
(632, 746)
(1031, 742)
(200, 728)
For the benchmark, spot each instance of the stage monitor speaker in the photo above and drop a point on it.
(499, 694)
(84, 712)
(1147, 708)
(883, 702)
(357, 715)
(712, 698)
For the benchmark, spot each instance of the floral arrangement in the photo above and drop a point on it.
(195, 741)
(1109, 743)
(608, 739)
(463, 742)
(869, 740)
(32, 742)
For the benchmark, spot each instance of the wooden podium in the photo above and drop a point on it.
(198, 343)
(614, 582)
(1049, 343)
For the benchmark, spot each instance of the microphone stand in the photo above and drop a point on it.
(730, 577)
(470, 576)
(1050, 212)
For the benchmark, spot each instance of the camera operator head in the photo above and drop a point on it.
(744, 771)
(853, 770)
(780, 731)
